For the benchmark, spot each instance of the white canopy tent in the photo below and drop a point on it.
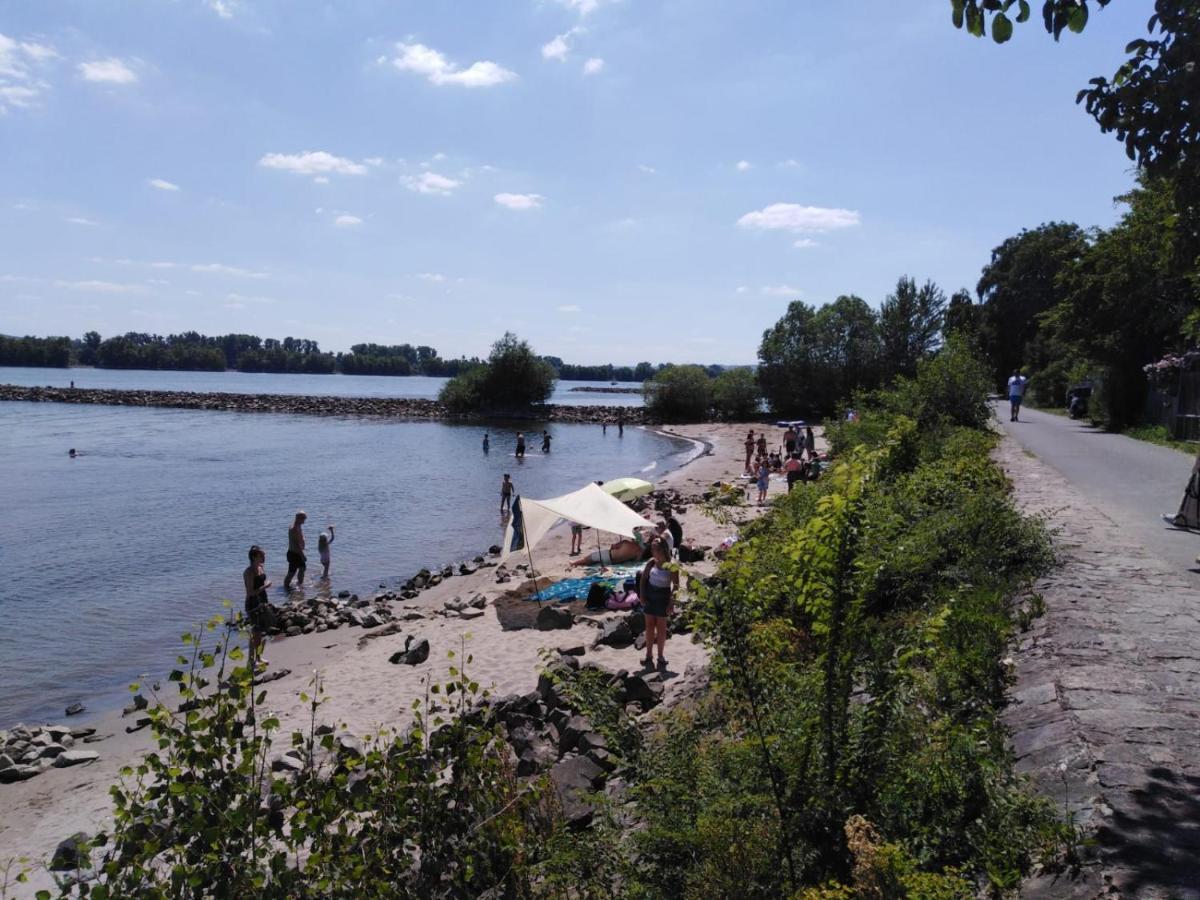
(589, 506)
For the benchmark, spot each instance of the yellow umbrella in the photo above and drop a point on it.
(625, 489)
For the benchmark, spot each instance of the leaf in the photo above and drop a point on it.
(956, 14)
(1077, 19)
(1022, 10)
(1002, 28)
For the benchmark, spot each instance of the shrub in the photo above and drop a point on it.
(679, 394)
(464, 393)
(514, 378)
(736, 395)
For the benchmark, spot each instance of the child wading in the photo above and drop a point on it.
(323, 542)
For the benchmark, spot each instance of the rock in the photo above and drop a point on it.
(535, 758)
(343, 595)
(41, 739)
(412, 615)
(435, 580)
(75, 709)
(139, 703)
(638, 689)
(576, 650)
(479, 602)
(52, 751)
(95, 738)
(591, 740)
(639, 642)
(323, 730)
(494, 550)
(138, 724)
(603, 758)
(72, 853)
(6, 761)
(58, 732)
(412, 654)
(370, 620)
(287, 763)
(349, 745)
(570, 733)
(552, 618)
(467, 569)
(272, 675)
(75, 758)
(574, 778)
(615, 633)
(471, 613)
(18, 773)
(455, 604)
(636, 622)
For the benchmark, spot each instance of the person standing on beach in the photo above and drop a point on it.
(749, 448)
(506, 494)
(296, 560)
(576, 538)
(486, 444)
(794, 470)
(656, 588)
(789, 440)
(764, 480)
(545, 441)
(520, 445)
(810, 442)
(258, 609)
(1016, 393)
(323, 542)
(761, 444)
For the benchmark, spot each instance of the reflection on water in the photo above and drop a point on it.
(109, 557)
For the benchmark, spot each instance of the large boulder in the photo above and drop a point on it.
(574, 777)
(413, 653)
(72, 853)
(638, 689)
(75, 758)
(571, 731)
(552, 618)
(616, 634)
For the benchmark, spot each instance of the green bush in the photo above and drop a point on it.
(736, 395)
(679, 394)
(513, 379)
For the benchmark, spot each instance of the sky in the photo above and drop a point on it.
(613, 180)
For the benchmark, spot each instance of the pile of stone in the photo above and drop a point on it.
(26, 751)
(383, 407)
(426, 578)
(548, 735)
(319, 614)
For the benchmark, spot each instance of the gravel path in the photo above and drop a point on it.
(1106, 708)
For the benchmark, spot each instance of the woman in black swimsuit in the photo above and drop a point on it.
(258, 610)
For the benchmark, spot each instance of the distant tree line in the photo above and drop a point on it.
(31, 351)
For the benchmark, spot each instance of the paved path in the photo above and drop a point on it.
(1106, 707)
(1133, 482)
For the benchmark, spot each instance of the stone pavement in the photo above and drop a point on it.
(1106, 708)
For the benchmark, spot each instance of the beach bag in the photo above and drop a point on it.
(598, 595)
(631, 585)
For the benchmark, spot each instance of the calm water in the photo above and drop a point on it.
(108, 558)
(412, 387)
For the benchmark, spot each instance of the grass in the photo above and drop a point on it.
(1158, 434)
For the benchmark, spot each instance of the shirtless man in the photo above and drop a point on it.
(623, 551)
(749, 447)
(296, 560)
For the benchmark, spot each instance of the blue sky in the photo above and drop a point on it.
(615, 180)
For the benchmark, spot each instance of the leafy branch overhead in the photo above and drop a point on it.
(1151, 100)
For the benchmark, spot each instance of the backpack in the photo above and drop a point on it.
(598, 595)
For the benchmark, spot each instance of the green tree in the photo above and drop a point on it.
(736, 395)
(87, 352)
(788, 360)
(679, 394)
(910, 324)
(963, 317)
(848, 350)
(513, 378)
(1019, 284)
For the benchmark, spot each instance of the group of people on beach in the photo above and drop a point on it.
(798, 461)
(254, 577)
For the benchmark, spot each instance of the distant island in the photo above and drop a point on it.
(195, 352)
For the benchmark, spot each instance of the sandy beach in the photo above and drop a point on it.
(364, 691)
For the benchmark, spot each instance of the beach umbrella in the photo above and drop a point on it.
(625, 489)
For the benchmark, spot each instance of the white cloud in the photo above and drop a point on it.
(223, 8)
(648, 170)
(557, 47)
(243, 299)
(793, 217)
(790, 164)
(374, 160)
(742, 289)
(346, 221)
(583, 7)
(107, 71)
(162, 184)
(804, 243)
(312, 162)
(431, 64)
(593, 66)
(569, 308)
(80, 220)
(222, 269)
(519, 201)
(743, 166)
(436, 277)
(430, 183)
(779, 290)
(20, 84)
(100, 287)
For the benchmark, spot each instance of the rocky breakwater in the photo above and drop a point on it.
(606, 390)
(381, 407)
(28, 751)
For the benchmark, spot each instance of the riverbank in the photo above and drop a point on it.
(298, 404)
(365, 690)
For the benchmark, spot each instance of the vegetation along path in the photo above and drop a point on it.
(1106, 712)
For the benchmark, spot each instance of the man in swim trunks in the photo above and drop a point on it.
(506, 493)
(296, 560)
(545, 442)
(520, 445)
(749, 448)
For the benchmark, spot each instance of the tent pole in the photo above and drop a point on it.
(529, 550)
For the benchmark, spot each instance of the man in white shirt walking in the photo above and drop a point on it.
(1016, 391)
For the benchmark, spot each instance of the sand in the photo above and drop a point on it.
(363, 690)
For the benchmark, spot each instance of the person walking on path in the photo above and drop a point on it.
(1016, 391)
(545, 441)
(749, 448)
(810, 442)
(324, 539)
(296, 560)
(258, 609)
(520, 445)
(656, 589)
(506, 494)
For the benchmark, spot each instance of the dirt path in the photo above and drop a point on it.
(1106, 711)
